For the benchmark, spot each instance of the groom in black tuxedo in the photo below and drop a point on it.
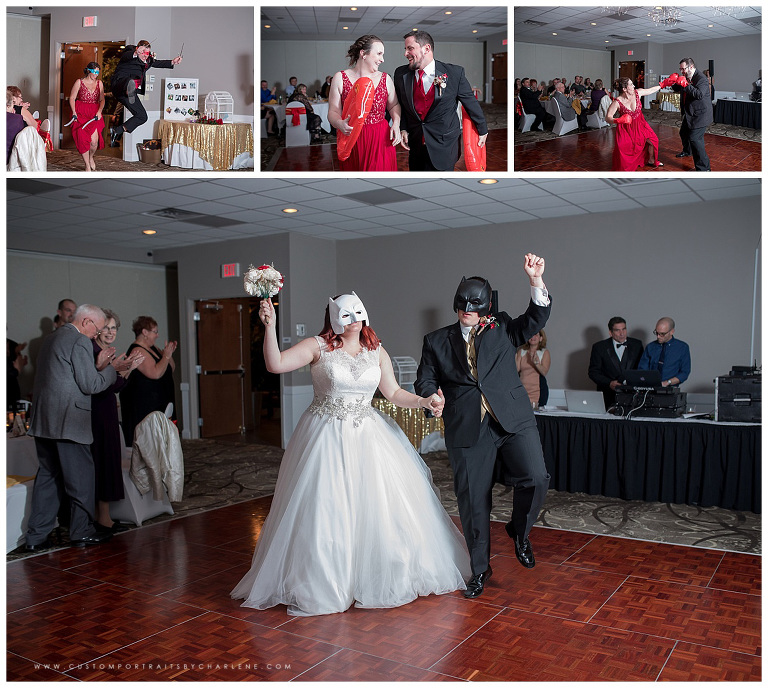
(611, 357)
(488, 413)
(429, 93)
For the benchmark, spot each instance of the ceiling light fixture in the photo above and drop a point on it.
(290, 210)
(474, 30)
(615, 10)
(488, 181)
(267, 26)
(728, 11)
(149, 231)
(449, 12)
(665, 16)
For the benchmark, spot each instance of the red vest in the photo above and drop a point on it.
(422, 101)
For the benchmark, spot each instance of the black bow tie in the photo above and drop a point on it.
(618, 344)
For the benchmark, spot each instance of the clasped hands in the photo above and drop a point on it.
(435, 403)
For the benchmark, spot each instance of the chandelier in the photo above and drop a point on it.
(665, 16)
(615, 10)
(728, 10)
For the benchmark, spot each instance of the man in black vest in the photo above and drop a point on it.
(696, 108)
(488, 413)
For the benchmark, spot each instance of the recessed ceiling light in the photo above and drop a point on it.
(593, 23)
(648, 35)
(474, 30)
(607, 41)
(290, 210)
(710, 26)
(149, 231)
(449, 12)
(78, 197)
(488, 181)
(345, 28)
(554, 34)
(354, 9)
(267, 26)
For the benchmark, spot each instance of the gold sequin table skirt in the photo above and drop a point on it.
(413, 422)
(206, 146)
(668, 101)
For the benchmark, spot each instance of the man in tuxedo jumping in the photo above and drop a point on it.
(488, 413)
(429, 92)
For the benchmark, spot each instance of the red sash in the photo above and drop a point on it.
(296, 113)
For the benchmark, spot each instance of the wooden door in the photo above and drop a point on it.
(499, 93)
(76, 57)
(223, 351)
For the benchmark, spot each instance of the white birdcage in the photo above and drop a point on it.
(219, 104)
(405, 371)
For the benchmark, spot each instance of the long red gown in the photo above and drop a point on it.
(86, 107)
(373, 151)
(631, 139)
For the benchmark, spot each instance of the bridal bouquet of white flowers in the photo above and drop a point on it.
(263, 281)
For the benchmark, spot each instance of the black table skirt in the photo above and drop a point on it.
(738, 113)
(680, 463)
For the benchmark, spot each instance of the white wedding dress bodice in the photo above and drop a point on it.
(355, 518)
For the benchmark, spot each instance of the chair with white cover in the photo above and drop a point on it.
(264, 134)
(562, 126)
(45, 126)
(526, 120)
(295, 135)
(595, 121)
(28, 152)
(605, 103)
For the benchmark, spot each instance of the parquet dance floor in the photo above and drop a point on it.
(153, 604)
(592, 151)
(322, 158)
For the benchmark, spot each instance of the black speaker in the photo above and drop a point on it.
(494, 302)
(711, 68)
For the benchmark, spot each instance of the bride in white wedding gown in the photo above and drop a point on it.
(355, 518)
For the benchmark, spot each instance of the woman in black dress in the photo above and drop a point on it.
(151, 386)
(107, 447)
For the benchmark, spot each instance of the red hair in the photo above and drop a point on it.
(368, 337)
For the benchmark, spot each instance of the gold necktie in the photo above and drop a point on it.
(472, 360)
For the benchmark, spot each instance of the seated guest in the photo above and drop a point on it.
(670, 356)
(18, 116)
(25, 148)
(598, 93)
(518, 85)
(533, 363)
(577, 86)
(325, 89)
(267, 113)
(532, 106)
(611, 357)
(291, 88)
(567, 111)
(588, 84)
(313, 121)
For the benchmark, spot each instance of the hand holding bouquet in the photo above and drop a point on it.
(263, 281)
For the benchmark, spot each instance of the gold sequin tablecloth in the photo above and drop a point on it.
(413, 422)
(206, 146)
(672, 99)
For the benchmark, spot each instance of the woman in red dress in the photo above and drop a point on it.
(636, 142)
(87, 101)
(374, 150)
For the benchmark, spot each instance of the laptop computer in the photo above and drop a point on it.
(580, 401)
(642, 378)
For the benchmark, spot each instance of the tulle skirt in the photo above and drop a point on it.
(355, 519)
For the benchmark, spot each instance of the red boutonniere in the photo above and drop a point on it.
(488, 321)
(440, 81)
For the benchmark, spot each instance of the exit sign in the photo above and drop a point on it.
(90, 21)
(630, 52)
(230, 270)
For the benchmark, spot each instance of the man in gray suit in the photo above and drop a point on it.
(61, 425)
(567, 110)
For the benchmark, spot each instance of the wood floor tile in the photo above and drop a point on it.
(87, 624)
(674, 563)
(349, 665)
(719, 618)
(549, 544)
(211, 647)
(563, 591)
(418, 633)
(697, 663)
(170, 564)
(517, 646)
(739, 573)
(20, 669)
(29, 582)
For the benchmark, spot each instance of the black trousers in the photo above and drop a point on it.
(542, 117)
(693, 143)
(136, 108)
(67, 467)
(473, 468)
(419, 159)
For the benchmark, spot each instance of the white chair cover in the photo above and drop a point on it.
(295, 136)
(28, 152)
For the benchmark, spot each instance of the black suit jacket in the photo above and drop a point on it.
(441, 127)
(530, 100)
(131, 67)
(605, 366)
(444, 364)
(696, 101)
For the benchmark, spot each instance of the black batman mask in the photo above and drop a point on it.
(473, 296)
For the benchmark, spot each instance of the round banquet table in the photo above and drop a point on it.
(206, 146)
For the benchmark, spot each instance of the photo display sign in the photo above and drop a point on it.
(180, 99)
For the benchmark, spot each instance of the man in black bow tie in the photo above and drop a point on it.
(488, 414)
(610, 357)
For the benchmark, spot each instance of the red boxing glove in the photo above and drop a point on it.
(671, 79)
(682, 81)
(624, 119)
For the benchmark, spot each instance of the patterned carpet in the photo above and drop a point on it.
(224, 472)
(664, 117)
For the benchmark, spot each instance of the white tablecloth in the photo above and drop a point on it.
(319, 109)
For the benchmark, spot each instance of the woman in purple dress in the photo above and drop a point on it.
(107, 447)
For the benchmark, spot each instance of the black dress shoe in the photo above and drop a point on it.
(46, 544)
(98, 538)
(683, 154)
(477, 583)
(114, 137)
(119, 527)
(523, 551)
